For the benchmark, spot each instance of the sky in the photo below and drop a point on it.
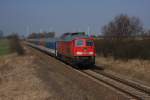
(26, 16)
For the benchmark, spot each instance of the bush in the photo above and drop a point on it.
(15, 45)
(124, 48)
(103, 47)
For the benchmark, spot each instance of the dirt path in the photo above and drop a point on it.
(37, 76)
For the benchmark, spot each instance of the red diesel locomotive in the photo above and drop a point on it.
(76, 48)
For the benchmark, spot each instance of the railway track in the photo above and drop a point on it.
(133, 90)
(125, 80)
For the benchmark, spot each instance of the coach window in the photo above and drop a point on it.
(89, 43)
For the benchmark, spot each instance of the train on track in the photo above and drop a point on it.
(76, 48)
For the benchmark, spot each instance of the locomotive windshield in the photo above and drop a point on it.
(89, 43)
(79, 43)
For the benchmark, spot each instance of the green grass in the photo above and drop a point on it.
(4, 47)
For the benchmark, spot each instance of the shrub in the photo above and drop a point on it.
(15, 45)
(123, 48)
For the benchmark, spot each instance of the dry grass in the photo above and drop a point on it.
(17, 79)
(134, 69)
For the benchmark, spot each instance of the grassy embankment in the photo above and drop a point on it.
(4, 47)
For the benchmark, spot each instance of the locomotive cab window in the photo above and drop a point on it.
(89, 43)
(79, 42)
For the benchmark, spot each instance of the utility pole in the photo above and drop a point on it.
(27, 30)
(88, 31)
(40, 30)
(79, 30)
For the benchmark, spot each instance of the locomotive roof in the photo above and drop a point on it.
(71, 36)
(64, 37)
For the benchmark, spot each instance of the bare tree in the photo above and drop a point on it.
(123, 25)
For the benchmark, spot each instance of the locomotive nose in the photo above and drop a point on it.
(84, 48)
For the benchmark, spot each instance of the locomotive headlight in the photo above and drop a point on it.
(91, 53)
(79, 53)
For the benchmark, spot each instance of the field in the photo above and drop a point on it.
(135, 69)
(4, 47)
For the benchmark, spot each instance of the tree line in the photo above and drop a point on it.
(42, 35)
(124, 26)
